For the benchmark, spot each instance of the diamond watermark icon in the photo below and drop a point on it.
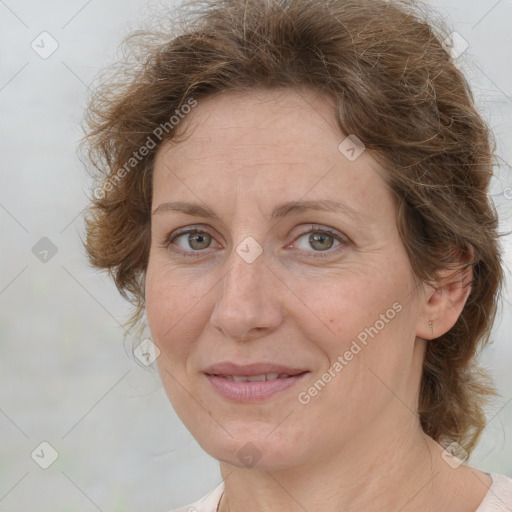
(249, 249)
(351, 147)
(146, 352)
(454, 455)
(44, 250)
(44, 455)
(249, 455)
(455, 45)
(44, 45)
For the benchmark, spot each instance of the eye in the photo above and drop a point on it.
(322, 240)
(188, 241)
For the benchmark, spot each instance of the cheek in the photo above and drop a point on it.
(342, 308)
(365, 361)
(168, 304)
(363, 325)
(170, 295)
(171, 314)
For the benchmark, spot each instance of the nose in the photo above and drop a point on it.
(247, 303)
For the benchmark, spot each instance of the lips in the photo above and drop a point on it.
(255, 382)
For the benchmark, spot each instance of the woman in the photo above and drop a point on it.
(294, 193)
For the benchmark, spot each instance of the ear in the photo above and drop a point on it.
(444, 300)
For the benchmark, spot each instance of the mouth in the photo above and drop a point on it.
(257, 382)
(272, 370)
(256, 378)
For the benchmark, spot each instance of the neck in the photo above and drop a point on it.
(394, 470)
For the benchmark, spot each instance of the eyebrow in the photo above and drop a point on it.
(279, 212)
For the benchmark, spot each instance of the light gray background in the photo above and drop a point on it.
(66, 377)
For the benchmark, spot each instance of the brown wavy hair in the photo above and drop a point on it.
(396, 88)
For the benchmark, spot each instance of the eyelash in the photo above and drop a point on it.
(197, 254)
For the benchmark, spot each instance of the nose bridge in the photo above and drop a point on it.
(244, 281)
(244, 303)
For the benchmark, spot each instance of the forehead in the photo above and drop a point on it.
(283, 142)
(280, 120)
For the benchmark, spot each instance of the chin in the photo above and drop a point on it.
(257, 451)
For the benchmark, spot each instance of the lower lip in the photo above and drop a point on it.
(252, 391)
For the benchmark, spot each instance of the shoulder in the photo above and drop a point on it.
(208, 503)
(499, 495)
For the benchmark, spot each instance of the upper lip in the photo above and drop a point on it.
(228, 368)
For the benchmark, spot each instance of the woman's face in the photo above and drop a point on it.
(263, 273)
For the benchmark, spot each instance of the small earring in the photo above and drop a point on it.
(431, 328)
